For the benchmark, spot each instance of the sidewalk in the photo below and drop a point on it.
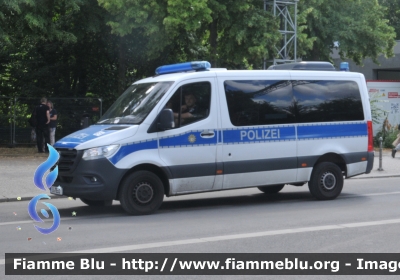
(16, 177)
(390, 166)
(16, 174)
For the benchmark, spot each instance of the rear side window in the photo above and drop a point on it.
(327, 101)
(259, 102)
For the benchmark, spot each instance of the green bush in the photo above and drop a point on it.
(388, 138)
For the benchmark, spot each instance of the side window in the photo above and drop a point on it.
(259, 102)
(190, 103)
(327, 101)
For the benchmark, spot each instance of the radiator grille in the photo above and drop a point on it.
(68, 160)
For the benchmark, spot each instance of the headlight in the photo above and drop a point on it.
(105, 151)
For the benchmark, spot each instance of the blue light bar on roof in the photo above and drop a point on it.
(182, 67)
(344, 66)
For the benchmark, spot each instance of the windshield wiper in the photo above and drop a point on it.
(130, 119)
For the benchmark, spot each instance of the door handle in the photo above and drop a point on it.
(207, 134)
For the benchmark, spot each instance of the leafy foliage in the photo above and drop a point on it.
(359, 26)
(387, 138)
(392, 14)
(96, 48)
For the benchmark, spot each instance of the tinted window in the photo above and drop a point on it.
(327, 101)
(259, 102)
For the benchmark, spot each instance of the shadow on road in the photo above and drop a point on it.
(235, 201)
(185, 203)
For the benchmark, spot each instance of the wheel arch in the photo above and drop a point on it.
(334, 158)
(147, 167)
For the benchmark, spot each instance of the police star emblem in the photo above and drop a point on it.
(192, 138)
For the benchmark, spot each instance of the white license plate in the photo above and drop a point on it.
(56, 190)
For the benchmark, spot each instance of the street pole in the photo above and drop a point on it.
(380, 154)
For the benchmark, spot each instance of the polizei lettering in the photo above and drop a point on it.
(259, 134)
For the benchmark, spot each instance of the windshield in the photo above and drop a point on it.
(135, 103)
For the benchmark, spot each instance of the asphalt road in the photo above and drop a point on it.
(364, 218)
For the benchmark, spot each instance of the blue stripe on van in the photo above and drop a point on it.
(248, 135)
(191, 138)
(131, 148)
(219, 134)
(65, 145)
(84, 135)
(320, 131)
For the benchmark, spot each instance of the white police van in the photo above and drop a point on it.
(191, 128)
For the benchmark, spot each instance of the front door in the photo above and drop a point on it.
(189, 150)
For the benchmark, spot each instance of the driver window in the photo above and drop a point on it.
(190, 103)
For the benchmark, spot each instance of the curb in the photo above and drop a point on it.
(375, 177)
(13, 199)
(25, 155)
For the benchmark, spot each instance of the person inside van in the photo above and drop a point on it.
(189, 109)
(169, 105)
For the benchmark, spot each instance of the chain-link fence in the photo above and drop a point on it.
(6, 120)
(72, 115)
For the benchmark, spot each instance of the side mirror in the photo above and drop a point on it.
(166, 120)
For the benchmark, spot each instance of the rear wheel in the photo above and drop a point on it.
(142, 193)
(96, 203)
(271, 189)
(326, 181)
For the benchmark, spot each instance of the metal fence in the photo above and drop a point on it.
(72, 115)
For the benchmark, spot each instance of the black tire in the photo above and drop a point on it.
(326, 181)
(96, 203)
(142, 193)
(271, 189)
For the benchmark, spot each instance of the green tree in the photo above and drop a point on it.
(392, 14)
(143, 20)
(36, 20)
(26, 25)
(233, 33)
(55, 49)
(360, 27)
(61, 48)
(245, 34)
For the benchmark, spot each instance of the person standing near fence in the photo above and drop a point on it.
(53, 122)
(42, 126)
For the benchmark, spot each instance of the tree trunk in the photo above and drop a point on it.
(122, 68)
(81, 75)
(213, 42)
(315, 53)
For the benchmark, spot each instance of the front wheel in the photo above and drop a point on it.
(271, 189)
(142, 193)
(326, 181)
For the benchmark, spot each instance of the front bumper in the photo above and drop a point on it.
(96, 179)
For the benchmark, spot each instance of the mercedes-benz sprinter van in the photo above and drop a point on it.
(191, 128)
